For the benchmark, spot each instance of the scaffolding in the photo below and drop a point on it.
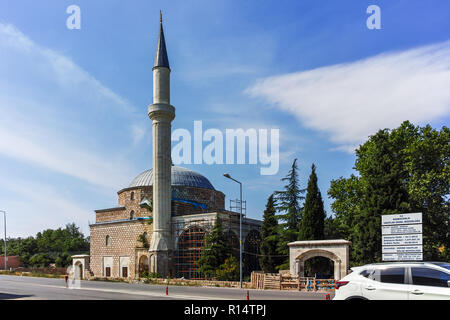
(235, 206)
(191, 240)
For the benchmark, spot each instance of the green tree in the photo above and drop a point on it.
(269, 238)
(63, 260)
(312, 223)
(49, 245)
(401, 170)
(229, 270)
(215, 252)
(290, 213)
(40, 260)
(428, 184)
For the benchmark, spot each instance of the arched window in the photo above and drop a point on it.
(132, 215)
(190, 245)
(132, 195)
(107, 240)
(251, 247)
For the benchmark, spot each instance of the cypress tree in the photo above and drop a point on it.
(312, 223)
(269, 234)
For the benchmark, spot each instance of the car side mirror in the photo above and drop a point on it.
(448, 283)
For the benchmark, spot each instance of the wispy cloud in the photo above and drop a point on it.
(57, 116)
(39, 206)
(64, 136)
(351, 101)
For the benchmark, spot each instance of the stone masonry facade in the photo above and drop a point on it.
(125, 223)
(123, 242)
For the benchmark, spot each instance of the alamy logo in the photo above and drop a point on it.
(374, 21)
(74, 20)
(73, 278)
(229, 150)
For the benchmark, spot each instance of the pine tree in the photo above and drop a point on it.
(215, 252)
(312, 223)
(269, 234)
(291, 213)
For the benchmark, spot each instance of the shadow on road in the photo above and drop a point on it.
(6, 296)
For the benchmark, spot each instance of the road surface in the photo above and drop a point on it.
(31, 288)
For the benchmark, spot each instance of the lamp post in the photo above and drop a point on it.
(226, 175)
(4, 220)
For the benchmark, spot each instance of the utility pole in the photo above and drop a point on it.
(226, 175)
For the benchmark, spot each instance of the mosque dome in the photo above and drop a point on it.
(180, 177)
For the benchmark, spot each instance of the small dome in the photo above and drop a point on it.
(180, 177)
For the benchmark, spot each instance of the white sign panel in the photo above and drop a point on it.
(402, 239)
(402, 256)
(402, 249)
(403, 218)
(401, 229)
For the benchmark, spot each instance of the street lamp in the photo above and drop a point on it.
(226, 175)
(4, 220)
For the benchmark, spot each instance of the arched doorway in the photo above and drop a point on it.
(78, 271)
(251, 253)
(190, 245)
(318, 265)
(143, 264)
(335, 250)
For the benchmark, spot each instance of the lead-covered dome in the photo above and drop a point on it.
(180, 177)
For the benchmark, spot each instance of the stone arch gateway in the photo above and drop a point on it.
(335, 250)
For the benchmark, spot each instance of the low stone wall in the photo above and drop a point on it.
(182, 282)
(54, 271)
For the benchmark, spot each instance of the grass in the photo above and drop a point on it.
(31, 274)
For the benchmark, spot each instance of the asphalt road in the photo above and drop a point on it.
(30, 288)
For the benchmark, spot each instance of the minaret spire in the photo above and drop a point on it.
(161, 59)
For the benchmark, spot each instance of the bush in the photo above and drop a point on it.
(229, 270)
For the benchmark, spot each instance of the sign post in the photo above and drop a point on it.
(402, 237)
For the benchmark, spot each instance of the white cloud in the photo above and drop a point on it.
(57, 116)
(39, 206)
(351, 101)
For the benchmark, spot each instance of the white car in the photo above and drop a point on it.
(396, 281)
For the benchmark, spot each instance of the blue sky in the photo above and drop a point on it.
(73, 103)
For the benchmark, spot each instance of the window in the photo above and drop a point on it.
(429, 277)
(131, 215)
(132, 195)
(390, 275)
(107, 240)
(366, 273)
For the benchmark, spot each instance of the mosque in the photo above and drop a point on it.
(163, 215)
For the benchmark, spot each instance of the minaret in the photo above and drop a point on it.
(161, 113)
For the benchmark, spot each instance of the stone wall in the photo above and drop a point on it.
(123, 241)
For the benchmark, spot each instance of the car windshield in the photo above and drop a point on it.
(443, 265)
